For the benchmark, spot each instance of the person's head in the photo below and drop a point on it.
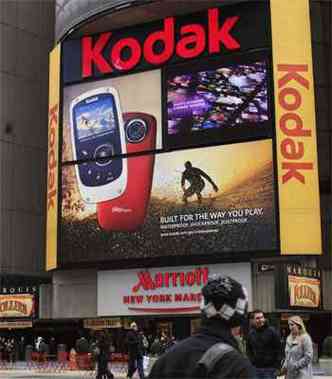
(101, 336)
(188, 165)
(225, 299)
(133, 326)
(259, 318)
(296, 325)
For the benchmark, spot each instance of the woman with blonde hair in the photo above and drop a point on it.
(298, 351)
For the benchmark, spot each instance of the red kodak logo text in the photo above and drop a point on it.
(292, 146)
(192, 41)
(52, 158)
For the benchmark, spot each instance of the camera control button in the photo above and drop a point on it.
(103, 154)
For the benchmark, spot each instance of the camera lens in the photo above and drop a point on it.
(136, 130)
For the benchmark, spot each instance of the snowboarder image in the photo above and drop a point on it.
(194, 176)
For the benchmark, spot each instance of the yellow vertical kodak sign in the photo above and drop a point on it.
(298, 186)
(53, 164)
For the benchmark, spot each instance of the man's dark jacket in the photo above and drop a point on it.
(135, 344)
(181, 360)
(264, 347)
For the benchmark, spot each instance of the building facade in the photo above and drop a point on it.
(75, 20)
(82, 286)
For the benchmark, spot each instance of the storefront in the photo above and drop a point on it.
(19, 309)
(134, 110)
(161, 300)
(299, 291)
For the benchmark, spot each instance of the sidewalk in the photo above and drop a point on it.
(22, 370)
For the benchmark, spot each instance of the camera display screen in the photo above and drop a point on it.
(95, 116)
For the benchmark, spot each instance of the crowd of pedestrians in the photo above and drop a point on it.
(219, 350)
(8, 349)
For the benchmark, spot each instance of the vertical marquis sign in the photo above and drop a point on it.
(299, 207)
(53, 161)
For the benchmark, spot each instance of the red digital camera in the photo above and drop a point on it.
(127, 212)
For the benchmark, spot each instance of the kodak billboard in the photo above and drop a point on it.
(298, 184)
(190, 136)
(53, 152)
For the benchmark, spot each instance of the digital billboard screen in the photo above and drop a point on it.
(209, 200)
(212, 101)
(164, 144)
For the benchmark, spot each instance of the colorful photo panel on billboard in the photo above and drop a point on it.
(99, 117)
(216, 102)
(192, 202)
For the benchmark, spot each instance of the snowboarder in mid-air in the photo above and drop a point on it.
(194, 176)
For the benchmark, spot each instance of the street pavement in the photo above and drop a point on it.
(71, 375)
(21, 370)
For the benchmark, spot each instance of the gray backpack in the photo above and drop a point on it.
(211, 357)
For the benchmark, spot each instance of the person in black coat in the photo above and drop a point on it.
(135, 351)
(213, 352)
(102, 358)
(264, 347)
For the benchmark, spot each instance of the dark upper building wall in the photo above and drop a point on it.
(321, 43)
(321, 16)
(75, 17)
(26, 37)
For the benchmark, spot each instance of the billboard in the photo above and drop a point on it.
(298, 287)
(200, 200)
(169, 145)
(304, 292)
(53, 159)
(22, 305)
(300, 224)
(215, 100)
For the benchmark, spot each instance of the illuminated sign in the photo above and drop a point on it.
(16, 305)
(299, 206)
(102, 323)
(53, 165)
(192, 41)
(15, 324)
(170, 146)
(169, 290)
(298, 287)
(304, 292)
(178, 221)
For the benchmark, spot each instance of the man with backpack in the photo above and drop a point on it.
(213, 352)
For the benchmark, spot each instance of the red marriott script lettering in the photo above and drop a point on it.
(292, 146)
(191, 42)
(52, 159)
(146, 282)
